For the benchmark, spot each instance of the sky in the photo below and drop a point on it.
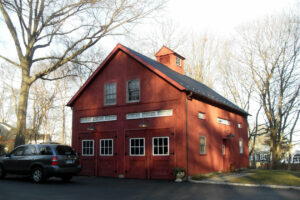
(219, 17)
(222, 16)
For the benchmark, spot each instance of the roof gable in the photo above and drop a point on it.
(181, 82)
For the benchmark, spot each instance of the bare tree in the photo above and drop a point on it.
(56, 32)
(204, 57)
(42, 103)
(270, 50)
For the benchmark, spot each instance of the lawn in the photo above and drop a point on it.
(273, 177)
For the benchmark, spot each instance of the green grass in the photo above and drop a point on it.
(272, 177)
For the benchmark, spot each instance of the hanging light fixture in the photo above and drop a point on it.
(230, 135)
(91, 128)
(143, 124)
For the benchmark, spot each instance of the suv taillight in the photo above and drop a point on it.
(54, 160)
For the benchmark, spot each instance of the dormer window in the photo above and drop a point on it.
(178, 61)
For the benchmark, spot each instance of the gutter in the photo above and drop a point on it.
(188, 97)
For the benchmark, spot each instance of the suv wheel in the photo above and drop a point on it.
(66, 178)
(2, 172)
(37, 175)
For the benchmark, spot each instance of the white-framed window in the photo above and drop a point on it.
(133, 91)
(239, 125)
(263, 156)
(256, 156)
(106, 147)
(241, 146)
(223, 121)
(150, 114)
(178, 61)
(160, 146)
(105, 118)
(87, 147)
(110, 94)
(202, 145)
(137, 146)
(223, 149)
(201, 115)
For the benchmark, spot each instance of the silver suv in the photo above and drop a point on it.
(41, 161)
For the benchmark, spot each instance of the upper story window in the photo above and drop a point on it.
(223, 121)
(201, 115)
(105, 118)
(133, 91)
(150, 114)
(239, 125)
(110, 94)
(178, 61)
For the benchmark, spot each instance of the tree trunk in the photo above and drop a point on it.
(63, 125)
(275, 156)
(22, 109)
(253, 153)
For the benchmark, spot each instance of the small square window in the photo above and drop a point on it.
(160, 146)
(87, 147)
(239, 125)
(137, 146)
(178, 61)
(201, 115)
(106, 147)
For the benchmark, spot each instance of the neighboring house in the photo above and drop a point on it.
(261, 157)
(7, 138)
(140, 118)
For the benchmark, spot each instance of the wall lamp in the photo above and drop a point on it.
(91, 128)
(143, 124)
(230, 135)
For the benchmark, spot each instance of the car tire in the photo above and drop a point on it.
(37, 175)
(2, 172)
(66, 178)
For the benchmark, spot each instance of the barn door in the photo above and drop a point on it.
(87, 155)
(107, 154)
(162, 154)
(136, 161)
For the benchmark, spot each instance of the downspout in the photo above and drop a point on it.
(188, 97)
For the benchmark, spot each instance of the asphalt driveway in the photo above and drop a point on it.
(89, 188)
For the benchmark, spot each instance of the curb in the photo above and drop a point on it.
(247, 184)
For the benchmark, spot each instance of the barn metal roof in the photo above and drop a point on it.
(189, 83)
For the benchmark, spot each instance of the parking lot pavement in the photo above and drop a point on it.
(90, 188)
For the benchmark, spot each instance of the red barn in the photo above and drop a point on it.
(140, 118)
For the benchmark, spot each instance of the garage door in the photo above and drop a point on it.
(107, 154)
(149, 154)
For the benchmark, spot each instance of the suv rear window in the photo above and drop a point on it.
(64, 150)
